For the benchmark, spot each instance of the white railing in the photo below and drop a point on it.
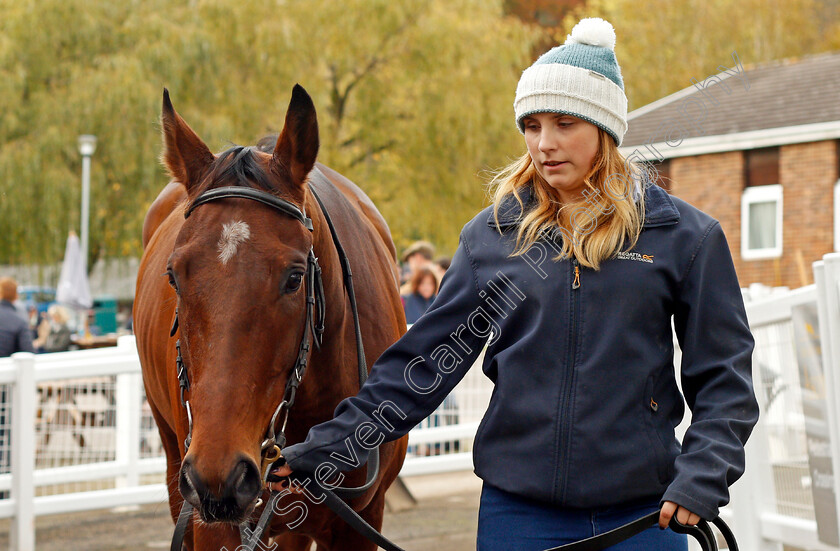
(91, 400)
(771, 505)
(82, 436)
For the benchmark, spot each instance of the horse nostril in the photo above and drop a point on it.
(245, 483)
(189, 483)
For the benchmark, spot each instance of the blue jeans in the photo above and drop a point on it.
(510, 522)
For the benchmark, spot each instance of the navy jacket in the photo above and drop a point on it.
(14, 331)
(415, 306)
(585, 400)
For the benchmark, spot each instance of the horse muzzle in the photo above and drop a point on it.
(235, 497)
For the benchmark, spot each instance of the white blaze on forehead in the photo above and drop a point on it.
(233, 234)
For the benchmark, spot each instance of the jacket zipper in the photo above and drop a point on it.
(568, 380)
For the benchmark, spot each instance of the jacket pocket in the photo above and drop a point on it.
(651, 416)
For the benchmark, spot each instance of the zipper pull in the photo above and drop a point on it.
(576, 282)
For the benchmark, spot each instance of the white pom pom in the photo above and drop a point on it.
(593, 31)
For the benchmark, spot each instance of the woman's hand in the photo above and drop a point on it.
(280, 472)
(683, 515)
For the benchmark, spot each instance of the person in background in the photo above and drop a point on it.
(14, 337)
(54, 335)
(418, 255)
(440, 265)
(34, 319)
(14, 330)
(422, 292)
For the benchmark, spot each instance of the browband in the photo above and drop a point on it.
(249, 193)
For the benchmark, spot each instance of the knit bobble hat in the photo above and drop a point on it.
(581, 78)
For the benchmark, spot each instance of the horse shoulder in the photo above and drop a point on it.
(172, 195)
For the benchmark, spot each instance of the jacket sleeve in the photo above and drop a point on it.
(406, 383)
(717, 345)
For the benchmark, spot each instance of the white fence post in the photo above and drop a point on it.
(128, 398)
(754, 492)
(827, 278)
(24, 398)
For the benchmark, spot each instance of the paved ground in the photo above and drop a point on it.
(444, 519)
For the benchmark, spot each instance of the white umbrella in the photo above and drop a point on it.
(73, 288)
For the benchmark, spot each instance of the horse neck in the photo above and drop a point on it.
(333, 370)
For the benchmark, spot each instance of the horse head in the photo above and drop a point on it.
(238, 269)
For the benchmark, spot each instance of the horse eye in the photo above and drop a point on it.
(294, 281)
(172, 281)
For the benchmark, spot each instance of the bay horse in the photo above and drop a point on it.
(235, 271)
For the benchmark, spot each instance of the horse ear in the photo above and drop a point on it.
(297, 146)
(184, 154)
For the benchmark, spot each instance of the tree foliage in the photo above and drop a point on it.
(414, 99)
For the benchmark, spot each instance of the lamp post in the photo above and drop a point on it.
(87, 145)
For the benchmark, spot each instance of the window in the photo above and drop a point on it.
(837, 216)
(761, 205)
(761, 222)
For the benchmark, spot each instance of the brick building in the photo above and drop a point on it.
(758, 149)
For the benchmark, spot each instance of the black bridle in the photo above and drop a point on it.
(313, 332)
(313, 325)
(275, 440)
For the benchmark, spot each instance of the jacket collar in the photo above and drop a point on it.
(659, 208)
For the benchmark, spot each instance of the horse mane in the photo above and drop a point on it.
(238, 166)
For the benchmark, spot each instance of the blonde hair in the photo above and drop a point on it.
(612, 216)
(62, 316)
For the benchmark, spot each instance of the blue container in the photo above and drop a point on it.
(104, 315)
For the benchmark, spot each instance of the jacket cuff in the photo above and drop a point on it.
(691, 503)
(296, 458)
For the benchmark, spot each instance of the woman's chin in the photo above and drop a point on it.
(566, 189)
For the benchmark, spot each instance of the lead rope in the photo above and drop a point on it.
(702, 532)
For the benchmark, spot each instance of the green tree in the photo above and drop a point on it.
(414, 99)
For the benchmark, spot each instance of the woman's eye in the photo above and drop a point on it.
(294, 281)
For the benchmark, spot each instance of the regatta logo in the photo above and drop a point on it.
(623, 255)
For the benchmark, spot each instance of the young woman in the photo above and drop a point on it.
(422, 290)
(571, 278)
